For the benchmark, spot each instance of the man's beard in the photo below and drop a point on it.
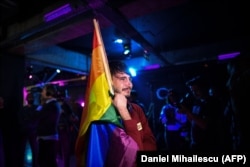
(123, 90)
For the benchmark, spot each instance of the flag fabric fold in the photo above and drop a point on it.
(110, 146)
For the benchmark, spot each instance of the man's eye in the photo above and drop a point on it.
(123, 78)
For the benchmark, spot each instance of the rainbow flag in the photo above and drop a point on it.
(101, 132)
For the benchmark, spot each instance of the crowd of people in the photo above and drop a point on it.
(200, 121)
(48, 125)
(216, 119)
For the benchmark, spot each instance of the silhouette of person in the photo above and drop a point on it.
(204, 116)
(66, 125)
(238, 87)
(47, 129)
(28, 123)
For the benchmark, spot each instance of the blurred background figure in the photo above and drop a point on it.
(175, 123)
(28, 123)
(238, 104)
(221, 94)
(47, 129)
(67, 126)
(205, 116)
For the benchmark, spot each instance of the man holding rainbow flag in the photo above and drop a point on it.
(112, 129)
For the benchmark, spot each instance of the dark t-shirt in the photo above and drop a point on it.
(28, 118)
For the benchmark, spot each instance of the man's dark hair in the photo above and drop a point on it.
(51, 90)
(200, 82)
(195, 81)
(118, 66)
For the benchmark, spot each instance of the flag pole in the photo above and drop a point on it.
(104, 56)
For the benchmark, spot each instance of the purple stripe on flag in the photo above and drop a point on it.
(122, 150)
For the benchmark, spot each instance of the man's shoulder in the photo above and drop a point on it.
(133, 104)
(136, 106)
(168, 106)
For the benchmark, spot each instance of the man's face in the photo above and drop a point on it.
(122, 83)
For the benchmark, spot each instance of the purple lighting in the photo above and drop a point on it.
(65, 9)
(60, 83)
(151, 67)
(82, 104)
(228, 55)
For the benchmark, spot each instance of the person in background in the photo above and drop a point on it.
(205, 117)
(220, 93)
(77, 109)
(238, 104)
(28, 124)
(47, 129)
(66, 127)
(175, 123)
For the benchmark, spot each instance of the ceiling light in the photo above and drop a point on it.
(126, 51)
(127, 48)
(228, 55)
(132, 71)
(120, 41)
(59, 12)
(146, 54)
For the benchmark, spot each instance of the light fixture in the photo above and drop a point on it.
(57, 71)
(118, 40)
(146, 54)
(132, 71)
(59, 12)
(228, 55)
(127, 47)
(29, 71)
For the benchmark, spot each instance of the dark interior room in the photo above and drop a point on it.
(166, 42)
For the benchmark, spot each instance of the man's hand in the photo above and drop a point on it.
(120, 103)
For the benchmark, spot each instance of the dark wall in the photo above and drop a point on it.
(11, 89)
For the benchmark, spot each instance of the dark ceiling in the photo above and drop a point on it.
(170, 32)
